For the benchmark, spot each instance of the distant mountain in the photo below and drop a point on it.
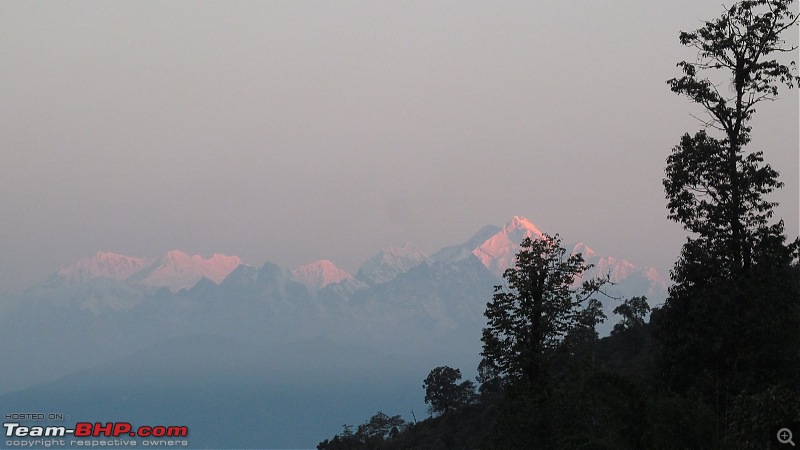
(129, 331)
(495, 247)
(320, 274)
(104, 265)
(498, 252)
(175, 270)
(389, 263)
(456, 251)
(629, 280)
(400, 301)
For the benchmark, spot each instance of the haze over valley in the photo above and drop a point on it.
(173, 318)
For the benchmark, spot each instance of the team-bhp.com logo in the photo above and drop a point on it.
(97, 429)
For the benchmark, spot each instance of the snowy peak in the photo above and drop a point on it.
(391, 262)
(499, 251)
(320, 274)
(175, 270)
(103, 265)
(521, 224)
(584, 250)
(620, 270)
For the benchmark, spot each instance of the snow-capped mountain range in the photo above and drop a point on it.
(400, 301)
(494, 247)
(175, 270)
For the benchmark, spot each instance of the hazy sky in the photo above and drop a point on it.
(295, 131)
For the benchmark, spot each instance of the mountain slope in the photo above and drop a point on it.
(175, 270)
(389, 263)
(319, 274)
(401, 301)
(498, 252)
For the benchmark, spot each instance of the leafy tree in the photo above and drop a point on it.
(752, 413)
(534, 322)
(371, 434)
(539, 308)
(713, 187)
(489, 379)
(585, 329)
(444, 393)
(732, 319)
(633, 312)
(380, 426)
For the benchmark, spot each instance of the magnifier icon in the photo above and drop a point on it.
(785, 436)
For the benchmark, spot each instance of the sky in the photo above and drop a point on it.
(295, 131)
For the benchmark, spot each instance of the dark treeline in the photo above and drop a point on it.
(717, 366)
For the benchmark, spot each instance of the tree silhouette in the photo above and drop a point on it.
(443, 391)
(732, 319)
(633, 311)
(531, 318)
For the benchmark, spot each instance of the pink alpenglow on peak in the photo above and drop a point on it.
(175, 270)
(319, 274)
(618, 270)
(584, 250)
(104, 265)
(499, 251)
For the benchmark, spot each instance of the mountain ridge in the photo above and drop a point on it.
(319, 274)
(405, 302)
(174, 270)
(494, 246)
